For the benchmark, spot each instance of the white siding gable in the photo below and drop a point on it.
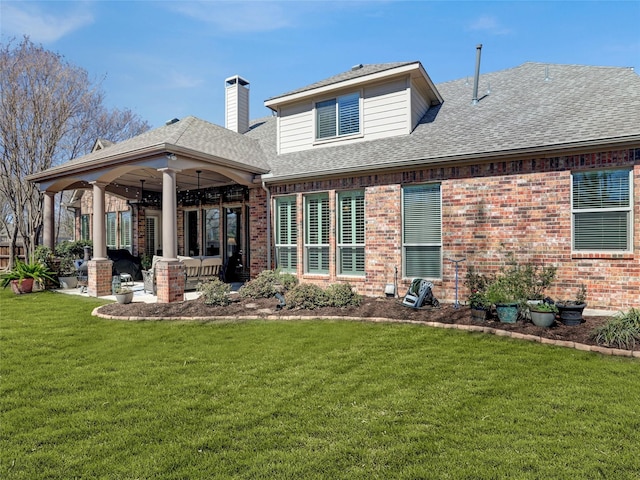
(386, 110)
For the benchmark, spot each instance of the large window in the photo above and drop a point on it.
(601, 210)
(125, 230)
(286, 234)
(112, 238)
(338, 116)
(351, 233)
(422, 231)
(212, 232)
(316, 240)
(85, 232)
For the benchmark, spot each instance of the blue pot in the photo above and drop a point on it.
(507, 312)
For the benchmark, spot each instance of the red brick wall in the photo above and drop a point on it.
(488, 210)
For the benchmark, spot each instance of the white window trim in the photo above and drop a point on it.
(338, 138)
(628, 209)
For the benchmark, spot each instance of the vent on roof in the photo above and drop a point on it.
(476, 78)
(357, 67)
(172, 121)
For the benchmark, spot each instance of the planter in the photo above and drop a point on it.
(22, 286)
(571, 314)
(68, 282)
(126, 297)
(507, 312)
(479, 314)
(542, 319)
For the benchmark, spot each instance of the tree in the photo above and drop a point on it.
(51, 113)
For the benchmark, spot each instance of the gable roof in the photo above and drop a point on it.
(534, 109)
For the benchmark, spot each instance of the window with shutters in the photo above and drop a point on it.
(125, 230)
(422, 231)
(351, 233)
(601, 205)
(286, 234)
(85, 232)
(111, 228)
(338, 116)
(316, 242)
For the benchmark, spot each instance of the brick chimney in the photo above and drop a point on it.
(236, 115)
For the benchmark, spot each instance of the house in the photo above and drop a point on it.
(377, 176)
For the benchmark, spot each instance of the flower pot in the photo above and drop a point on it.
(68, 282)
(542, 319)
(22, 286)
(126, 297)
(507, 312)
(571, 314)
(478, 314)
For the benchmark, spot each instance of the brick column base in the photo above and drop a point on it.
(170, 280)
(99, 282)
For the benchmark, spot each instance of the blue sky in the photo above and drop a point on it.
(166, 59)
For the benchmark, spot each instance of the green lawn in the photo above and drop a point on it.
(82, 397)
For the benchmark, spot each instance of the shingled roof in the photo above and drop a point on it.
(534, 108)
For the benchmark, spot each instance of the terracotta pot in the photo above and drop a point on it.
(22, 286)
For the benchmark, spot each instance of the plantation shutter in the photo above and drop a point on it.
(349, 114)
(317, 233)
(326, 119)
(351, 233)
(125, 230)
(422, 231)
(111, 230)
(602, 210)
(150, 236)
(286, 234)
(84, 227)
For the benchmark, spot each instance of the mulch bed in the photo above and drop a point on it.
(371, 308)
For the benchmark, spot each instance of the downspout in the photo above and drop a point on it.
(266, 189)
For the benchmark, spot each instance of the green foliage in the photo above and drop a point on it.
(307, 295)
(621, 331)
(543, 307)
(72, 249)
(21, 270)
(342, 295)
(477, 284)
(267, 284)
(215, 292)
(503, 290)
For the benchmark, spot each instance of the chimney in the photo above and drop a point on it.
(236, 116)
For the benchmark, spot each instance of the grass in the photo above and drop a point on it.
(82, 397)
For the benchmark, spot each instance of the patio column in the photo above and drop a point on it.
(99, 268)
(48, 235)
(169, 271)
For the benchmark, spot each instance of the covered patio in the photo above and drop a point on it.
(174, 172)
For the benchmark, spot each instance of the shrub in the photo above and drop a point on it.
(267, 284)
(621, 331)
(306, 295)
(342, 295)
(215, 292)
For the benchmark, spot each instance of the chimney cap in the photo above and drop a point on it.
(236, 79)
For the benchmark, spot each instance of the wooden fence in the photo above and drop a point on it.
(5, 254)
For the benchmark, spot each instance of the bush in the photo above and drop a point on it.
(307, 295)
(342, 295)
(215, 292)
(621, 331)
(267, 284)
(73, 250)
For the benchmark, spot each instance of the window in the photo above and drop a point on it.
(286, 234)
(317, 233)
(85, 232)
(422, 231)
(351, 233)
(112, 238)
(125, 230)
(601, 210)
(212, 232)
(338, 116)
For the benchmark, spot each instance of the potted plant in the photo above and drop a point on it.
(477, 284)
(67, 273)
(570, 311)
(543, 314)
(503, 294)
(22, 276)
(124, 295)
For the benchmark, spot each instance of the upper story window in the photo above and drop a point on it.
(601, 210)
(338, 116)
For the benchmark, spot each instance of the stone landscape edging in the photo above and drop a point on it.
(454, 326)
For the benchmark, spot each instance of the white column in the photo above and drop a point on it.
(169, 214)
(99, 230)
(48, 235)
